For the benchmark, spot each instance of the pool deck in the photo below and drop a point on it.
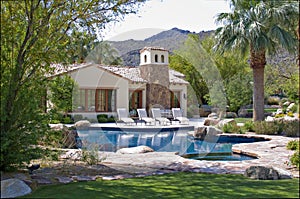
(268, 153)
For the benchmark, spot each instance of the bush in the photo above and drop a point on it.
(290, 114)
(291, 128)
(111, 119)
(268, 128)
(231, 128)
(67, 120)
(279, 115)
(273, 100)
(102, 120)
(293, 145)
(77, 118)
(295, 159)
(249, 126)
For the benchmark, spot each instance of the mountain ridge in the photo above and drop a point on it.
(170, 40)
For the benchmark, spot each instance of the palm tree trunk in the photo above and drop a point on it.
(257, 63)
(258, 94)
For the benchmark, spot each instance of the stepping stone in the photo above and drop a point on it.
(84, 178)
(12, 188)
(41, 180)
(64, 180)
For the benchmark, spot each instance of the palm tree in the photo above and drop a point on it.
(258, 27)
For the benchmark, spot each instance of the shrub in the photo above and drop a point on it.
(290, 114)
(273, 100)
(249, 126)
(268, 128)
(67, 120)
(102, 120)
(279, 115)
(77, 118)
(291, 128)
(111, 119)
(293, 145)
(295, 158)
(91, 156)
(231, 128)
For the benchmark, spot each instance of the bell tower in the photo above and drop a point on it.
(154, 67)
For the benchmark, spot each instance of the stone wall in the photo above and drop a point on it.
(158, 96)
(158, 92)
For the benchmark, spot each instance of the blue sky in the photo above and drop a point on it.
(158, 15)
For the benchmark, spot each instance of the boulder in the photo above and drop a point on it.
(211, 121)
(243, 113)
(225, 122)
(279, 111)
(267, 173)
(290, 106)
(56, 127)
(230, 115)
(71, 139)
(270, 119)
(82, 124)
(213, 115)
(12, 188)
(138, 149)
(207, 133)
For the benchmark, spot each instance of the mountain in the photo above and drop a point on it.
(170, 40)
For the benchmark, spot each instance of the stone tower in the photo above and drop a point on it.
(154, 67)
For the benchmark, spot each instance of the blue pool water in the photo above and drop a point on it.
(166, 141)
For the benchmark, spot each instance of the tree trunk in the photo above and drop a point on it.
(257, 63)
(258, 94)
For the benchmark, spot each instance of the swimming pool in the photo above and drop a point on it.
(173, 140)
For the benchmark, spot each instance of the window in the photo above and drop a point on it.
(145, 58)
(156, 58)
(162, 59)
(106, 100)
(175, 99)
(135, 100)
(99, 100)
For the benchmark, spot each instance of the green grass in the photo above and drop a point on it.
(267, 110)
(242, 120)
(179, 185)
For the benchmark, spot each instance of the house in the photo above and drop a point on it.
(103, 89)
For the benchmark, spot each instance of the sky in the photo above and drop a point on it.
(159, 15)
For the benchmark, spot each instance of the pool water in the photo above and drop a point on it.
(220, 157)
(167, 141)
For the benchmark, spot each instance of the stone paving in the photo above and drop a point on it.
(119, 166)
(269, 153)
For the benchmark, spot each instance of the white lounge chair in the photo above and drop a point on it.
(143, 116)
(177, 114)
(156, 114)
(123, 116)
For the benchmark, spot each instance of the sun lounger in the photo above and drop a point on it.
(143, 116)
(177, 114)
(123, 116)
(156, 114)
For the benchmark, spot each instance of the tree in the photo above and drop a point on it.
(34, 34)
(258, 27)
(103, 53)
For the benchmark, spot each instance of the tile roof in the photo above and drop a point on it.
(130, 73)
(152, 48)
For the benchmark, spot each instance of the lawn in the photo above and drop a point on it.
(182, 185)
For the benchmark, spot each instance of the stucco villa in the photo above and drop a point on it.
(103, 89)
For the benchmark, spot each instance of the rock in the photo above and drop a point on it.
(267, 173)
(71, 139)
(279, 111)
(213, 115)
(286, 103)
(290, 106)
(211, 121)
(225, 122)
(64, 180)
(56, 127)
(230, 115)
(138, 149)
(82, 124)
(243, 113)
(12, 188)
(270, 119)
(41, 180)
(207, 133)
